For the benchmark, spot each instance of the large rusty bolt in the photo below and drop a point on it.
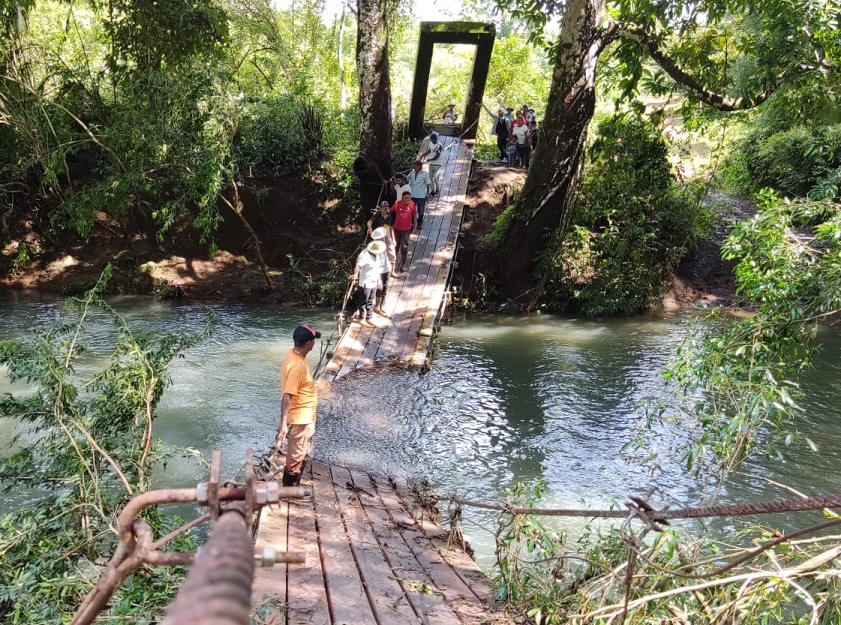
(267, 492)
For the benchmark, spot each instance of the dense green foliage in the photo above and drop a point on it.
(796, 161)
(83, 444)
(630, 225)
(738, 379)
(147, 117)
(665, 576)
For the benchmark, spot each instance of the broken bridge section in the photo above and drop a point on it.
(479, 34)
(373, 557)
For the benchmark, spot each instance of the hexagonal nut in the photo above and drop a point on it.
(273, 492)
(261, 495)
(265, 557)
(201, 493)
(266, 492)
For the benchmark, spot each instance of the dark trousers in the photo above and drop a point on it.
(362, 300)
(502, 144)
(420, 202)
(366, 310)
(525, 154)
(401, 238)
(384, 282)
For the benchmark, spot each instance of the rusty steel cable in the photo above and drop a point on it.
(663, 515)
(217, 590)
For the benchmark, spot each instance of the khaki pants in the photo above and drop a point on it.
(300, 445)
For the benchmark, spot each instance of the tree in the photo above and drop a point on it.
(373, 164)
(726, 55)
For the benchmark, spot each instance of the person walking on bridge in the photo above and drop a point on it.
(433, 158)
(298, 402)
(405, 222)
(419, 184)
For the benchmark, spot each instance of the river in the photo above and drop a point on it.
(508, 399)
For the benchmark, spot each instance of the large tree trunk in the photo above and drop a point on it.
(340, 58)
(556, 165)
(375, 141)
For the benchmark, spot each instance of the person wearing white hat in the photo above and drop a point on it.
(381, 234)
(450, 115)
(366, 273)
(381, 219)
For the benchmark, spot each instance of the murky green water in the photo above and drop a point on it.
(507, 400)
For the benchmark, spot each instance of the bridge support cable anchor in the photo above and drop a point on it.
(231, 511)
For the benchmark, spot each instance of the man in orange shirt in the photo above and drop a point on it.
(299, 399)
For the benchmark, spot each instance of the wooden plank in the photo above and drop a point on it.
(412, 296)
(467, 569)
(349, 602)
(306, 595)
(470, 607)
(433, 606)
(391, 605)
(268, 592)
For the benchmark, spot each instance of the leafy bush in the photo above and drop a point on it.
(793, 161)
(630, 225)
(502, 224)
(84, 441)
(271, 139)
(403, 154)
(328, 289)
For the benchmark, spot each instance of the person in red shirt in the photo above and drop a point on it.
(405, 215)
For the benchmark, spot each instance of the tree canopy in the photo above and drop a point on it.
(726, 55)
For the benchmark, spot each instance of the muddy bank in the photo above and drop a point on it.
(302, 239)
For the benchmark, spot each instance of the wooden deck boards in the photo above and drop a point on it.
(413, 299)
(369, 560)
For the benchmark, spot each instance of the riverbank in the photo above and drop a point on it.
(302, 242)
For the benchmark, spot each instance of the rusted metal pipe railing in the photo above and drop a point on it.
(229, 542)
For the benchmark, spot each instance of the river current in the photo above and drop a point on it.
(507, 400)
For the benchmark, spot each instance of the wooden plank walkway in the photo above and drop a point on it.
(413, 299)
(372, 559)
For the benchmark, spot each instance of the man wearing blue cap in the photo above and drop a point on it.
(433, 158)
(298, 401)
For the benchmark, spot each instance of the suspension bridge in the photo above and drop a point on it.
(372, 556)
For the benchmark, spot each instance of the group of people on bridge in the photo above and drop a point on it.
(390, 229)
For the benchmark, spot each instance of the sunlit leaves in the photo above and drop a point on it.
(86, 437)
(740, 376)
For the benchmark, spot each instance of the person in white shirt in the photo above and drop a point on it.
(419, 188)
(433, 156)
(523, 136)
(450, 115)
(399, 184)
(367, 273)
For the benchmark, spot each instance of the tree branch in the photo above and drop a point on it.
(719, 101)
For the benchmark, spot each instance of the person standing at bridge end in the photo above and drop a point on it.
(298, 402)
